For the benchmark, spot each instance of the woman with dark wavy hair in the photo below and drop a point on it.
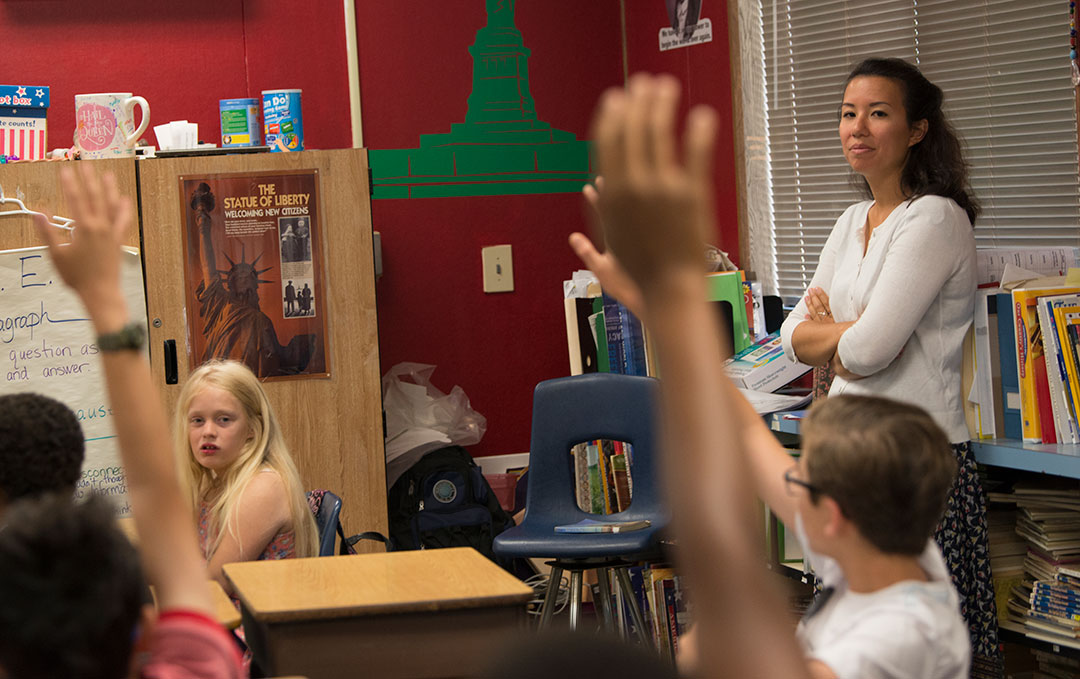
(893, 295)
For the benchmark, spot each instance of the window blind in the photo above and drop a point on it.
(1004, 67)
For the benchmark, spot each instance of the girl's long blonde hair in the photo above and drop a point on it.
(266, 449)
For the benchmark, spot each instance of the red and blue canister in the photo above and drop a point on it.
(282, 120)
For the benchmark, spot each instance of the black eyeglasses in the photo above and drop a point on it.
(790, 478)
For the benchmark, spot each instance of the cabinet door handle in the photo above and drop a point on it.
(170, 362)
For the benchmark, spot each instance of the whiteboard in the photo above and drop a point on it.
(48, 346)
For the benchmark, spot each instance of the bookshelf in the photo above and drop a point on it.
(1056, 459)
(1008, 633)
(1060, 459)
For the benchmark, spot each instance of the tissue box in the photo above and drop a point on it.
(763, 366)
(22, 121)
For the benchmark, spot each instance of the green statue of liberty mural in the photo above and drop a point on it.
(501, 148)
(501, 11)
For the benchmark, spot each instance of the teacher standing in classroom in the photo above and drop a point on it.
(893, 296)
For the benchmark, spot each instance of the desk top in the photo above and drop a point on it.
(371, 584)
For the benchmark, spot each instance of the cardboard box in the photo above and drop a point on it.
(22, 121)
(763, 366)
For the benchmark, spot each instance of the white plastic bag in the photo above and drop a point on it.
(420, 418)
(411, 401)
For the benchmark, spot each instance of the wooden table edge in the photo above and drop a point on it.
(367, 610)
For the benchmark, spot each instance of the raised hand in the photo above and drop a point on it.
(90, 265)
(654, 210)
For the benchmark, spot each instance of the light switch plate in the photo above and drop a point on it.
(498, 268)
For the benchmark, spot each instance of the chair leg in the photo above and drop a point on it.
(551, 596)
(620, 613)
(575, 599)
(607, 619)
(623, 576)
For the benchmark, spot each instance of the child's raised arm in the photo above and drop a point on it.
(90, 265)
(655, 211)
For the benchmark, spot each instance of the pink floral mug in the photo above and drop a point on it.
(105, 124)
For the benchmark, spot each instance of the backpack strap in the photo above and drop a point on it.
(347, 543)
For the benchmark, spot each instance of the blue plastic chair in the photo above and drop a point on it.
(568, 411)
(326, 520)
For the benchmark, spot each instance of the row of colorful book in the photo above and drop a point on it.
(604, 336)
(664, 606)
(602, 480)
(1026, 349)
(1037, 331)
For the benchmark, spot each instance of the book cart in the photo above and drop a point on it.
(1061, 460)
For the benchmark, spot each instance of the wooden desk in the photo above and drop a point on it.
(405, 615)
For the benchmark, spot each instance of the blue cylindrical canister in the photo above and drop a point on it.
(282, 120)
(240, 122)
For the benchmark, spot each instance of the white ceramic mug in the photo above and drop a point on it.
(105, 124)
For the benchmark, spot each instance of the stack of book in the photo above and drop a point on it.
(1054, 666)
(1054, 613)
(1007, 553)
(763, 366)
(1047, 599)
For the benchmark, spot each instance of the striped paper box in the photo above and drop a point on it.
(22, 121)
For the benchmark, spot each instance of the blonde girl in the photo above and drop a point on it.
(244, 488)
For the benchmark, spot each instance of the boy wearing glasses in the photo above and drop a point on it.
(864, 499)
(866, 493)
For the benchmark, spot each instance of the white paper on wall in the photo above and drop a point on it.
(48, 346)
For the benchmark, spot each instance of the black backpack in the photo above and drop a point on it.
(443, 500)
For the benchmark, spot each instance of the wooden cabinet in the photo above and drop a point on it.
(38, 186)
(334, 424)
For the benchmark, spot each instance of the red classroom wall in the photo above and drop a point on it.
(415, 76)
(705, 73)
(183, 57)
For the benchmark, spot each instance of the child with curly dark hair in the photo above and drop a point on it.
(41, 447)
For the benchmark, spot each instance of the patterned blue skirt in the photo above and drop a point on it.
(964, 540)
